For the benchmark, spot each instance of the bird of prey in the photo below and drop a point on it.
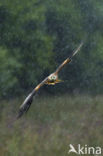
(52, 79)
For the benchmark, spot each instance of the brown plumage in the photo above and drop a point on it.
(52, 79)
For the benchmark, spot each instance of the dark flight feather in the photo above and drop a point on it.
(26, 105)
(69, 59)
(29, 99)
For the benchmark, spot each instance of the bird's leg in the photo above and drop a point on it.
(59, 81)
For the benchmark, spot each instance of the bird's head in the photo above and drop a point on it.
(53, 77)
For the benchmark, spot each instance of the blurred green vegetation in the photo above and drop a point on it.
(52, 123)
(36, 36)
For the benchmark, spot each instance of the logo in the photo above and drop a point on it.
(85, 150)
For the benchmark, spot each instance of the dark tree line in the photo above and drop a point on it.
(36, 36)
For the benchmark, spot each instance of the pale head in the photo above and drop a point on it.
(53, 77)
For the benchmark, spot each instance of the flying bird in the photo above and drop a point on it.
(52, 79)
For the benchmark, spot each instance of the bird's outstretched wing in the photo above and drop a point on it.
(28, 101)
(69, 58)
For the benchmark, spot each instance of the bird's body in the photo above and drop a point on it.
(52, 79)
